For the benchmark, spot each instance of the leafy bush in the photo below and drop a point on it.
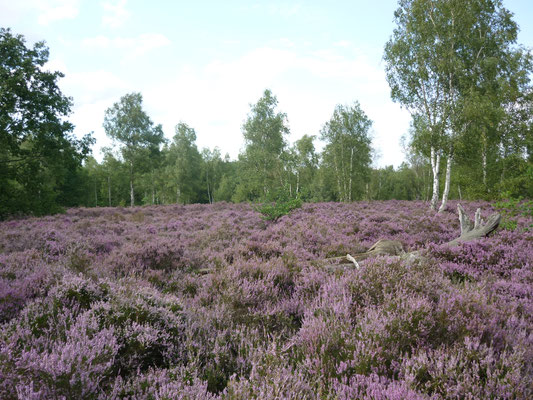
(283, 205)
(513, 208)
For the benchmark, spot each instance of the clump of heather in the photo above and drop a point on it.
(214, 302)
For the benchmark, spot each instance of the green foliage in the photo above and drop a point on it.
(39, 157)
(348, 150)
(183, 165)
(456, 67)
(282, 205)
(264, 135)
(127, 123)
(513, 208)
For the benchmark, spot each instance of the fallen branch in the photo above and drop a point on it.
(469, 231)
(478, 230)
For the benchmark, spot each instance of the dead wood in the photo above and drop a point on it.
(469, 231)
(478, 229)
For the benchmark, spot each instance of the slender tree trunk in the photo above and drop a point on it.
(153, 186)
(265, 190)
(132, 196)
(459, 190)
(337, 173)
(446, 183)
(428, 186)
(178, 193)
(435, 165)
(297, 182)
(504, 157)
(95, 195)
(208, 192)
(109, 189)
(484, 160)
(208, 188)
(351, 174)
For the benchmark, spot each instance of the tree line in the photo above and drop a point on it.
(455, 65)
(145, 168)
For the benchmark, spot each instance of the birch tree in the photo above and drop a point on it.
(127, 123)
(212, 172)
(306, 165)
(418, 71)
(348, 150)
(184, 164)
(264, 135)
(441, 53)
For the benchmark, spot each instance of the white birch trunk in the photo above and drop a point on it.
(446, 183)
(351, 174)
(435, 165)
(484, 155)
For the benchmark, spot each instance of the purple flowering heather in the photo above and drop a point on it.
(213, 302)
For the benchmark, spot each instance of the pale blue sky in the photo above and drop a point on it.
(204, 63)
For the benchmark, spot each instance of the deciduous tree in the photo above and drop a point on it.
(127, 123)
(348, 150)
(39, 156)
(264, 135)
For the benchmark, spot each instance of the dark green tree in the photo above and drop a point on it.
(264, 135)
(184, 166)
(348, 150)
(212, 172)
(39, 156)
(127, 123)
(306, 166)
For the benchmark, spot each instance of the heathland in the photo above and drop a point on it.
(212, 301)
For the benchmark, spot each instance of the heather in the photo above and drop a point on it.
(215, 302)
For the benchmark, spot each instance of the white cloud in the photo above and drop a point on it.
(89, 117)
(46, 11)
(94, 86)
(115, 13)
(284, 10)
(342, 43)
(56, 64)
(135, 46)
(57, 10)
(215, 99)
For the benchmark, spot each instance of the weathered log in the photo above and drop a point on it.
(380, 248)
(478, 229)
(469, 231)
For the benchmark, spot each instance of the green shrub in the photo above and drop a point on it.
(511, 208)
(272, 211)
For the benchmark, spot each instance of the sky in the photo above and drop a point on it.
(205, 62)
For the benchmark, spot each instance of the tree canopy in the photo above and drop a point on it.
(348, 150)
(455, 66)
(264, 134)
(127, 123)
(39, 156)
